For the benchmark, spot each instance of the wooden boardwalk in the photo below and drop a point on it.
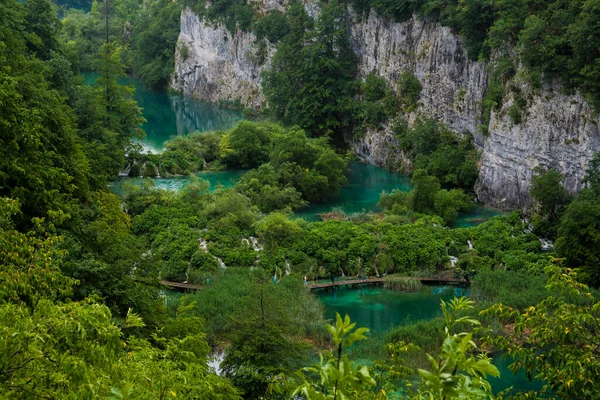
(379, 281)
(350, 283)
(354, 282)
(181, 286)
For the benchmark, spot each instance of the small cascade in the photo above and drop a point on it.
(252, 241)
(187, 277)
(215, 360)
(341, 269)
(221, 263)
(288, 268)
(125, 172)
(203, 245)
(529, 228)
(547, 245)
(453, 261)
(255, 245)
(470, 244)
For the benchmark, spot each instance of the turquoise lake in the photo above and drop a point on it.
(170, 115)
(381, 309)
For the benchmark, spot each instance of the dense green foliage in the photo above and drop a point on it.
(146, 31)
(312, 80)
(552, 198)
(433, 147)
(80, 312)
(427, 197)
(291, 169)
(562, 350)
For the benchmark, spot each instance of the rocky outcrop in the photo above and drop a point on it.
(556, 131)
(453, 85)
(216, 65)
(380, 147)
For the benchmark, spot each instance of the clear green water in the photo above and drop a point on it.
(170, 114)
(365, 184)
(222, 179)
(477, 216)
(380, 310)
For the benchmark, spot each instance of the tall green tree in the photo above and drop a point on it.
(552, 197)
(311, 83)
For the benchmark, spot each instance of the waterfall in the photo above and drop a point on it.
(453, 260)
(187, 277)
(221, 263)
(470, 244)
(547, 245)
(529, 228)
(203, 245)
(125, 172)
(252, 241)
(288, 269)
(215, 360)
(341, 269)
(255, 245)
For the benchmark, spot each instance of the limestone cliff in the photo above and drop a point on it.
(556, 130)
(216, 65)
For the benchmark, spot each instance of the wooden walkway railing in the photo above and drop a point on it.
(179, 285)
(351, 283)
(379, 281)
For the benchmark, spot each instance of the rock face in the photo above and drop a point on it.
(556, 131)
(452, 84)
(380, 147)
(219, 66)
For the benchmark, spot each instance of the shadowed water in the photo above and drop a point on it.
(170, 114)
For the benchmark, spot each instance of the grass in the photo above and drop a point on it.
(407, 284)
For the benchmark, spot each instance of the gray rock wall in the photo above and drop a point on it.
(557, 130)
(219, 65)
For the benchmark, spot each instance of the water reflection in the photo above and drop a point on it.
(169, 115)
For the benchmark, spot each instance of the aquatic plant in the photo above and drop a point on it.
(404, 283)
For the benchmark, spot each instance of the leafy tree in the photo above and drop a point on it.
(311, 83)
(248, 144)
(123, 116)
(277, 229)
(334, 376)
(578, 228)
(425, 189)
(556, 340)
(547, 190)
(56, 347)
(154, 39)
(449, 202)
(262, 343)
(457, 373)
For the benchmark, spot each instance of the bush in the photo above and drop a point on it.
(410, 91)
